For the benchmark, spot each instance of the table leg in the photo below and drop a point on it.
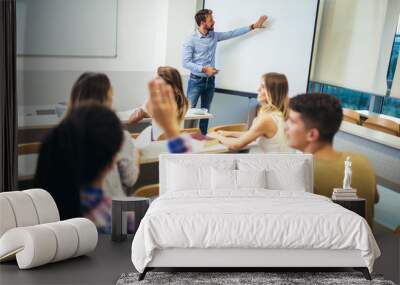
(140, 211)
(116, 224)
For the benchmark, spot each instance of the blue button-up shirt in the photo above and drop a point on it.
(199, 50)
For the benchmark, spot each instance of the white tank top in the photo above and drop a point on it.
(278, 142)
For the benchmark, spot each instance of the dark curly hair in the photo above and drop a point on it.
(75, 153)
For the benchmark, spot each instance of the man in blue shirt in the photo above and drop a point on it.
(199, 57)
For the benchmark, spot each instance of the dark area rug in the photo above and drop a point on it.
(226, 278)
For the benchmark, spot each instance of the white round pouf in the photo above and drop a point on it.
(23, 207)
(87, 234)
(33, 246)
(67, 240)
(45, 205)
(7, 218)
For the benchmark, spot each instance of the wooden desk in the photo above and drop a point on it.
(366, 114)
(124, 116)
(49, 121)
(149, 155)
(370, 134)
(151, 152)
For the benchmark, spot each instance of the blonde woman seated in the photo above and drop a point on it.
(171, 77)
(268, 127)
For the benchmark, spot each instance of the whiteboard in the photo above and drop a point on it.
(284, 46)
(67, 27)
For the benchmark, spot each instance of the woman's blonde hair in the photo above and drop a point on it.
(172, 77)
(277, 87)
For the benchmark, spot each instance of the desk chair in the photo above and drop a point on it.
(24, 181)
(148, 191)
(189, 131)
(351, 116)
(28, 148)
(383, 125)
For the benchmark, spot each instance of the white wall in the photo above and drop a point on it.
(149, 34)
(395, 91)
(389, 30)
(135, 44)
(283, 46)
(354, 43)
(44, 27)
(181, 11)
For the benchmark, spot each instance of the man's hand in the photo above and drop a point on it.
(137, 116)
(162, 107)
(209, 70)
(260, 22)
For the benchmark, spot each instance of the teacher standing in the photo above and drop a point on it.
(199, 57)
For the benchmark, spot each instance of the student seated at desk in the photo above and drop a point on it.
(172, 77)
(268, 127)
(74, 159)
(162, 107)
(313, 121)
(93, 87)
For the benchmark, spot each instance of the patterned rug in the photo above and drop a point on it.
(242, 278)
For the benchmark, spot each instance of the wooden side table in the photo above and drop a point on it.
(357, 206)
(120, 207)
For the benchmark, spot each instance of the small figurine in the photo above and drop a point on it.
(347, 174)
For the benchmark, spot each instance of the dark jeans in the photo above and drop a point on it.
(202, 87)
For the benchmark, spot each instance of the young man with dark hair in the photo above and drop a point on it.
(199, 57)
(312, 123)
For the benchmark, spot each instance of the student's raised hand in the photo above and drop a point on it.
(260, 22)
(162, 107)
